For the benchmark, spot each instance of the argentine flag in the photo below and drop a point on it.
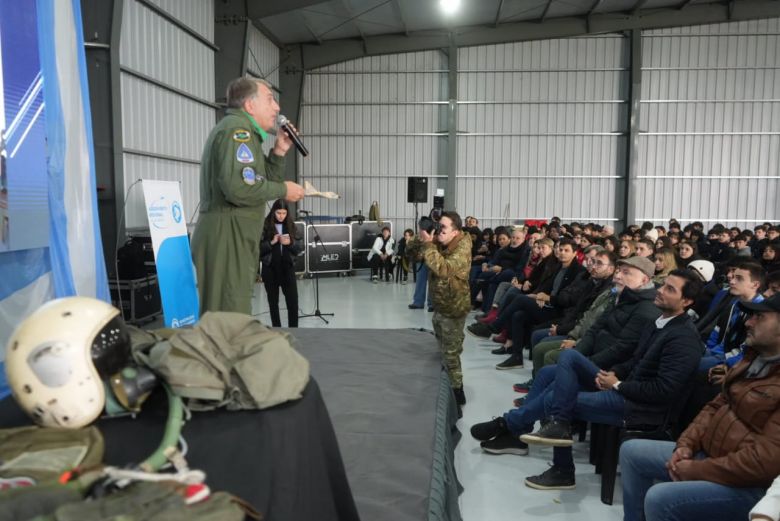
(72, 263)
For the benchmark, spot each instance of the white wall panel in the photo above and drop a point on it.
(157, 48)
(262, 56)
(710, 120)
(195, 14)
(371, 123)
(542, 129)
(158, 121)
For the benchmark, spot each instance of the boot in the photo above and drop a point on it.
(490, 317)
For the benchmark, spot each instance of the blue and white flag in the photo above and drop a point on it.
(71, 260)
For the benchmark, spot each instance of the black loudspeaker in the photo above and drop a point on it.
(416, 189)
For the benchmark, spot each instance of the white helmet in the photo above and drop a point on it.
(704, 268)
(57, 358)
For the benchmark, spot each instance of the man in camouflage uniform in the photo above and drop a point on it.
(236, 181)
(449, 262)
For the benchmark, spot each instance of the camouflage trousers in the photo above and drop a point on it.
(449, 334)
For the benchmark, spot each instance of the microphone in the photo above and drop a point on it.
(284, 124)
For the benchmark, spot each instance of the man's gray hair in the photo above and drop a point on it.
(242, 89)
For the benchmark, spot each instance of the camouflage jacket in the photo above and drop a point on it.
(449, 275)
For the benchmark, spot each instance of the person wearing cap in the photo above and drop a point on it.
(722, 463)
(706, 270)
(638, 392)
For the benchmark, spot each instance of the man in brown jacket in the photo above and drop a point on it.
(449, 263)
(729, 455)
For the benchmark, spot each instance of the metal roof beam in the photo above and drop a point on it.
(400, 10)
(257, 9)
(498, 13)
(546, 10)
(334, 51)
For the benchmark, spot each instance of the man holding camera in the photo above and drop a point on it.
(447, 253)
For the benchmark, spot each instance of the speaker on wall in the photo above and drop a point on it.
(416, 189)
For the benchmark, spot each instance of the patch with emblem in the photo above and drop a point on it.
(241, 135)
(244, 155)
(248, 174)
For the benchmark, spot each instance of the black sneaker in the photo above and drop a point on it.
(479, 330)
(430, 309)
(513, 362)
(523, 387)
(487, 430)
(505, 443)
(554, 478)
(414, 306)
(500, 351)
(554, 433)
(460, 396)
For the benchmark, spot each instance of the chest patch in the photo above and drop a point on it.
(241, 135)
(248, 174)
(244, 155)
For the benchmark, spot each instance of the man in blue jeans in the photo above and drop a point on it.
(420, 287)
(723, 462)
(638, 392)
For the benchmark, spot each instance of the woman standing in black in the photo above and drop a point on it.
(278, 249)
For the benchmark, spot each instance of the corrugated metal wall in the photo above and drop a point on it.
(710, 121)
(542, 129)
(371, 123)
(262, 61)
(164, 126)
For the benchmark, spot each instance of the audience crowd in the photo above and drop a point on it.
(668, 332)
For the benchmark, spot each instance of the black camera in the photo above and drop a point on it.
(429, 225)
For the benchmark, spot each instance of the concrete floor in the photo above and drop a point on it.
(493, 485)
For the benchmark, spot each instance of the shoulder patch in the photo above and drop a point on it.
(248, 174)
(244, 155)
(241, 135)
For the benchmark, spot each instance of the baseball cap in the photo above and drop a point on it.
(768, 304)
(704, 268)
(643, 264)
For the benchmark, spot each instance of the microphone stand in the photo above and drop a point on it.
(317, 313)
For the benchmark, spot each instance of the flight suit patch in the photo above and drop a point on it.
(241, 135)
(249, 175)
(244, 155)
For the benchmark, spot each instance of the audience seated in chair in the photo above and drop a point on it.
(380, 257)
(720, 466)
(637, 391)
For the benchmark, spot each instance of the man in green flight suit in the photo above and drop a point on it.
(449, 263)
(236, 181)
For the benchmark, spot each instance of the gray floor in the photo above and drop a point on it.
(494, 488)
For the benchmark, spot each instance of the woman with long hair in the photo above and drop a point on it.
(627, 249)
(665, 263)
(278, 249)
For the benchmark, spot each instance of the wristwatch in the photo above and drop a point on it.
(616, 385)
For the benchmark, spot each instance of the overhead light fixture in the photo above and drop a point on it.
(449, 6)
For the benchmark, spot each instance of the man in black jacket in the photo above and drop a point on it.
(537, 307)
(637, 392)
(613, 338)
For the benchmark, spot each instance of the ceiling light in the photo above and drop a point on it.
(449, 6)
